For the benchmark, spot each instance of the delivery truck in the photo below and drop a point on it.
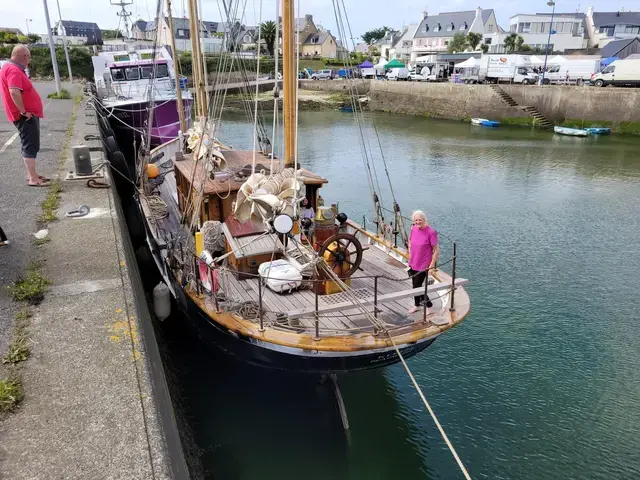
(507, 68)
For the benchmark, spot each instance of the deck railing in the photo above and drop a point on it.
(265, 318)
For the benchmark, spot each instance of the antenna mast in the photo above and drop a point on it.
(123, 13)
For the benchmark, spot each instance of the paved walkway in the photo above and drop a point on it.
(96, 404)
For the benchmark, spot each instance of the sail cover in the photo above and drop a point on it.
(261, 198)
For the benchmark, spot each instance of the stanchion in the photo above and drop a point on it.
(452, 307)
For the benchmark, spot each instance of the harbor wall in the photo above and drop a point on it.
(361, 86)
(572, 106)
(559, 103)
(440, 100)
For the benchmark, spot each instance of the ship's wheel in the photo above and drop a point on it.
(342, 253)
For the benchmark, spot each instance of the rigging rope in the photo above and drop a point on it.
(276, 90)
(255, 122)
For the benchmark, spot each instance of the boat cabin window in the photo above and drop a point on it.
(133, 73)
(117, 74)
(162, 71)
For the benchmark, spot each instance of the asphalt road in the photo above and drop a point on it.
(20, 204)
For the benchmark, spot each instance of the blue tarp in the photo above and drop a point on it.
(606, 61)
(366, 64)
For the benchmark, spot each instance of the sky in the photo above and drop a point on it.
(375, 14)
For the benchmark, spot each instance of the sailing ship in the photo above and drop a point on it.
(255, 278)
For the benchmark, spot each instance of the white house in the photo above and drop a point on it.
(404, 45)
(568, 32)
(210, 35)
(604, 27)
(435, 32)
(386, 43)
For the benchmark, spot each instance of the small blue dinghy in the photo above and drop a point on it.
(598, 130)
(483, 122)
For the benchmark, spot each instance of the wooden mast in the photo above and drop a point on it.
(290, 79)
(183, 124)
(196, 59)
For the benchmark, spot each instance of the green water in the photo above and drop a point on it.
(541, 381)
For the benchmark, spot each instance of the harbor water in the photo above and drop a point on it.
(541, 381)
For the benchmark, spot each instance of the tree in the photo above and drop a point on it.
(374, 35)
(34, 38)
(268, 32)
(525, 48)
(512, 42)
(484, 48)
(458, 43)
(8, 37)
(111, 34)
(23, 39)
(474, 39)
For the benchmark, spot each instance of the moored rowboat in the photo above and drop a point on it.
(572, 132)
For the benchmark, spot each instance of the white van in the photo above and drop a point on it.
(620, 72)
(579, 70)
(398, 74)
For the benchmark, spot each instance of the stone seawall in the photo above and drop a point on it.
(560, 103)
(440, 100)
(361, 86)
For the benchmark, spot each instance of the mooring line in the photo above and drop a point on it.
(431, 412)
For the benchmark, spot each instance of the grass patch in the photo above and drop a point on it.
(521, 121)
(19, 347)
(314, 65)
(41, 241)
(31, 288)
(339, 98)
(51, 203)
(64, 95)
(10, 394)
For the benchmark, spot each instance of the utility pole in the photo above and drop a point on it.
(52, 48)
(64, 42)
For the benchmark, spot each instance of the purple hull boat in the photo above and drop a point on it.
(166, 123)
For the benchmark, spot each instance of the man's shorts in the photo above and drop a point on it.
(29, 136)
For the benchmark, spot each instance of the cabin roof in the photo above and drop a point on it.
(236, 160)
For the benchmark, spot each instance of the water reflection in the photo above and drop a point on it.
(541, 381)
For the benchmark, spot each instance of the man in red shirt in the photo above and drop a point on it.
(23, 107)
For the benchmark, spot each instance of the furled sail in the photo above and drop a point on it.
(261, 198)
(200, 140)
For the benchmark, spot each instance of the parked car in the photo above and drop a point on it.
(398, 74)
(326, 74)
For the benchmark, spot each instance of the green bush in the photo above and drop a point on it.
(41, 66)
(267, 64)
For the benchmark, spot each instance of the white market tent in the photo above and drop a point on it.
(556, 60)
(468, 63)
(536, 60)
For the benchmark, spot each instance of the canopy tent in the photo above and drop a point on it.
(468, 63)
(606, 61)
(395, 63)
(366, 64)
(383, 61)
(536, 60)
(558, 59)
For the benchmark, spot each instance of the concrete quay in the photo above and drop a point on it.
(96, 403)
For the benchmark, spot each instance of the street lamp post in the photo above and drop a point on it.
(27, 20)
(551, 3)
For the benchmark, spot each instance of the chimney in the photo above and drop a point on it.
(424, 14)
(478, 12)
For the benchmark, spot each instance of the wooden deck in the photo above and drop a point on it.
(391, 273)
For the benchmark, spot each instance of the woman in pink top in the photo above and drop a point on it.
(423, 255)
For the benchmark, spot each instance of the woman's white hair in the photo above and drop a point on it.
(420, 214)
